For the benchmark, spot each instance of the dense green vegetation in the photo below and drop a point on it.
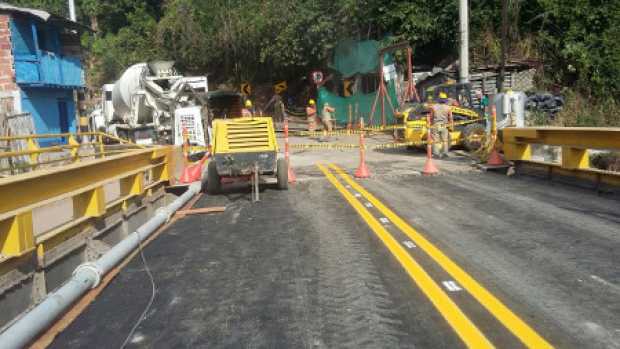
(265, 40)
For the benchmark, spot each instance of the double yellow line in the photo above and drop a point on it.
(462, 325)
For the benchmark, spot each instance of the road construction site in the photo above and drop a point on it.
(462, 259)
(364, 204)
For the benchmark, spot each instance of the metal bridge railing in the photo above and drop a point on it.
(575, 144)
(20, 154)
(83, 186)
(53, 219)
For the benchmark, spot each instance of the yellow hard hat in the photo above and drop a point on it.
(311, 102)
(443, 95)
(248, 103)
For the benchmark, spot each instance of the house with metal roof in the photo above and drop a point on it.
(40, 67)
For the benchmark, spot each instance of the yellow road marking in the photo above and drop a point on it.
(510, 320)
(462, 325)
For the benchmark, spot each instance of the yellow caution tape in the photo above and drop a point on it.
(325, 146)
(395, 145)
(346, 132)
(326, 133)
(350, 146)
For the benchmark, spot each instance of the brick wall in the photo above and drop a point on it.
(7, 72)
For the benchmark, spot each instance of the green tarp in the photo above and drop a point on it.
(364, 102)
(353, 58)
(356, 57)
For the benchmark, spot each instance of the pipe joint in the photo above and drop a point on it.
(92, 272)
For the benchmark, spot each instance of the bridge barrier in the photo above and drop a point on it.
(51, 220)
(575, 144)
(23, 154)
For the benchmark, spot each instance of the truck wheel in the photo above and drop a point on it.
(214, 183)
(473, 136)
(282, 174)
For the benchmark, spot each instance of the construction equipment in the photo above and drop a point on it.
(146, 102)
(244, 147)
(470, 123)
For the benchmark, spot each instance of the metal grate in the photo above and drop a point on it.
(247, 134)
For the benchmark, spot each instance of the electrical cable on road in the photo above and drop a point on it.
(149, 304)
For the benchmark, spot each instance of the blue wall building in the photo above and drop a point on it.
(44, 50)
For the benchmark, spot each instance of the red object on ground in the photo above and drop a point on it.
(429, 167)
(291, 173)
(193, 173)
(362, 169)
(495, 159)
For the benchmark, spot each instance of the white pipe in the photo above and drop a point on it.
(72, 10)
(86, 276)
(464, 39)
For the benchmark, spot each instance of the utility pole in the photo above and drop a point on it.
(464, 39)
(72, 10)
(504, 44)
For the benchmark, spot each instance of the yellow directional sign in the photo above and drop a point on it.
(280, 87)
(348, 87)
(246, 89)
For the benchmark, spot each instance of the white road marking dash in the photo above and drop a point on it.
(409, 244)
(368, 204)
(384, 220)
(451, 286)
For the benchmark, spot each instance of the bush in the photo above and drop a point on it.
(583, 111)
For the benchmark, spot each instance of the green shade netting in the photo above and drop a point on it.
(356, 57)
(364, 102)
(352, 58)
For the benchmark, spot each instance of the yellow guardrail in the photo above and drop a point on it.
(29, 157)
(575, 143)
(135, 172)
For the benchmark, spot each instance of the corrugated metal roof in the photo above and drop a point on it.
(44, 16)
(30, 11)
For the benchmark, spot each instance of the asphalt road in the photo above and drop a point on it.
(477, 258)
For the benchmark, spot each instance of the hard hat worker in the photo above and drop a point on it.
(327, 117)
(311, 114)
(247, 110)
(441, 119)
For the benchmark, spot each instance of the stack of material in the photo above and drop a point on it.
(16, 125)
(545, 103)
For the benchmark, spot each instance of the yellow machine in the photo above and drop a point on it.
(243, 147)
(469, 123)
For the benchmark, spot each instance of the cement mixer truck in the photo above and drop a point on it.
(152, 103)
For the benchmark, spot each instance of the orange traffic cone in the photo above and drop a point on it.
(362, 169)
(429, 167)
(291, 174)
(193, 173)
(495, 159)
